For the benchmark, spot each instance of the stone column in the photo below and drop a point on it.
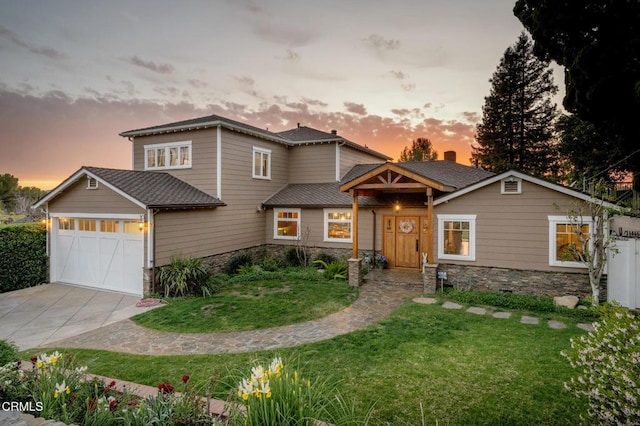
(355, 272)
(430, 278)
(147, 279)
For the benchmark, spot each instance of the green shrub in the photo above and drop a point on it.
(23, 256)
(185, 275)
(296, 256)
(607, 361)
(336, 270)
(234, 264)
(271, 264)
(325, 257)
(8, 352)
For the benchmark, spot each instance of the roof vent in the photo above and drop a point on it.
(511, 185)
(450, 156)
(334, 132)
(92, 183)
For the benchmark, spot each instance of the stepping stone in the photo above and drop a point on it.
(585, 327)
(529, 320)
(477, 311)
(503, 315)
(451, 305)
(425, 300)
(557, 325)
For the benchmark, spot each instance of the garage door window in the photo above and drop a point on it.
(65, 224)
(131, 227)
(87, 225)
(109, 226)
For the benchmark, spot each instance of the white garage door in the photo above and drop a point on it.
(101, 253)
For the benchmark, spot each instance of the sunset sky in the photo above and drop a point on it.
(76, 73)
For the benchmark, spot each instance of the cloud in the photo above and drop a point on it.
(471, 117)
(150, 65)
(397, 74)
(72, 132)
(245, 81)
(355, 108)
(379, 43)
(49, 52)
(198, 84)
(408, 87)
(314, 102)
(290, 56)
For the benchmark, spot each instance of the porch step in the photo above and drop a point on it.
(395, 276)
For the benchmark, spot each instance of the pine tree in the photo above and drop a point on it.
(518, 115)
(421, 150)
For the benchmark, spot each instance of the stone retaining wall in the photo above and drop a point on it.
(533, 283)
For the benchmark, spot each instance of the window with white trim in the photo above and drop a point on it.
(564, 240)
(87, 225)
(66, 224)
(261, 163)
(337, 225)
(174, 155)
(286, 224)
(457, 237)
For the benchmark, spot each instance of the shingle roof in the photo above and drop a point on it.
(316, 195)
(304, 134)
(447, 173)
(155, 189)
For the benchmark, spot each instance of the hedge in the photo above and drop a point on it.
(23, 256)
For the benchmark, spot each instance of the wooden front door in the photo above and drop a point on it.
(407, 242)
(402, 240)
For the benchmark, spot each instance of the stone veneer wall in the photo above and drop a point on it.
(218, 262)
(533, 283)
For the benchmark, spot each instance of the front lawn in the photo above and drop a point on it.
(463, 369)
(258, 300)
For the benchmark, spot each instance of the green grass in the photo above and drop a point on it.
(248, 305)
(464, 369)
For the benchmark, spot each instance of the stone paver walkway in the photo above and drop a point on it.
(525, 319)
(380, 294)
(376, 301)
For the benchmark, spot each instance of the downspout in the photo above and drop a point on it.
(151, 244)
(133, 154)
(219, 163)
(338, 145)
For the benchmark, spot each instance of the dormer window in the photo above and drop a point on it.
(92, 183)
(174, 155)
(511, 185)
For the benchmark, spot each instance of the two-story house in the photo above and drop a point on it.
(213, 187)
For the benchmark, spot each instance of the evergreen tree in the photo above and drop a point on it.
(518, 115)
(421, 150)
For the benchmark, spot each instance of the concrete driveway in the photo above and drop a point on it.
(39, 316)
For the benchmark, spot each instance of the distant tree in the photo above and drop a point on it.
(518, 115)
(421, 150)
(586, 152)
(598, 43)
(25, 197)
(8, 188)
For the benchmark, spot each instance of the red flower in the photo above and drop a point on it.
(133, 403)
(166, 388)
(73, 397)
(92, 404)
(185, 378)
(34, 359)
(113, 404)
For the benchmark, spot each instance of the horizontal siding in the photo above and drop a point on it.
(78, 199)
(315, 163)
(512, 231)
(202, 174)
(349, 157)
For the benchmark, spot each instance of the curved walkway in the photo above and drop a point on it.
(377, 300)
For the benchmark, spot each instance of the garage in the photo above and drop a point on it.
(99, 252)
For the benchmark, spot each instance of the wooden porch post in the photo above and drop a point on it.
(354, 254)
(430, 228)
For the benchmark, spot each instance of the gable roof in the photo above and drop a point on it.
(446, 174)
(298, 136)
(519, 175)
(146, 189)
(315, 195)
